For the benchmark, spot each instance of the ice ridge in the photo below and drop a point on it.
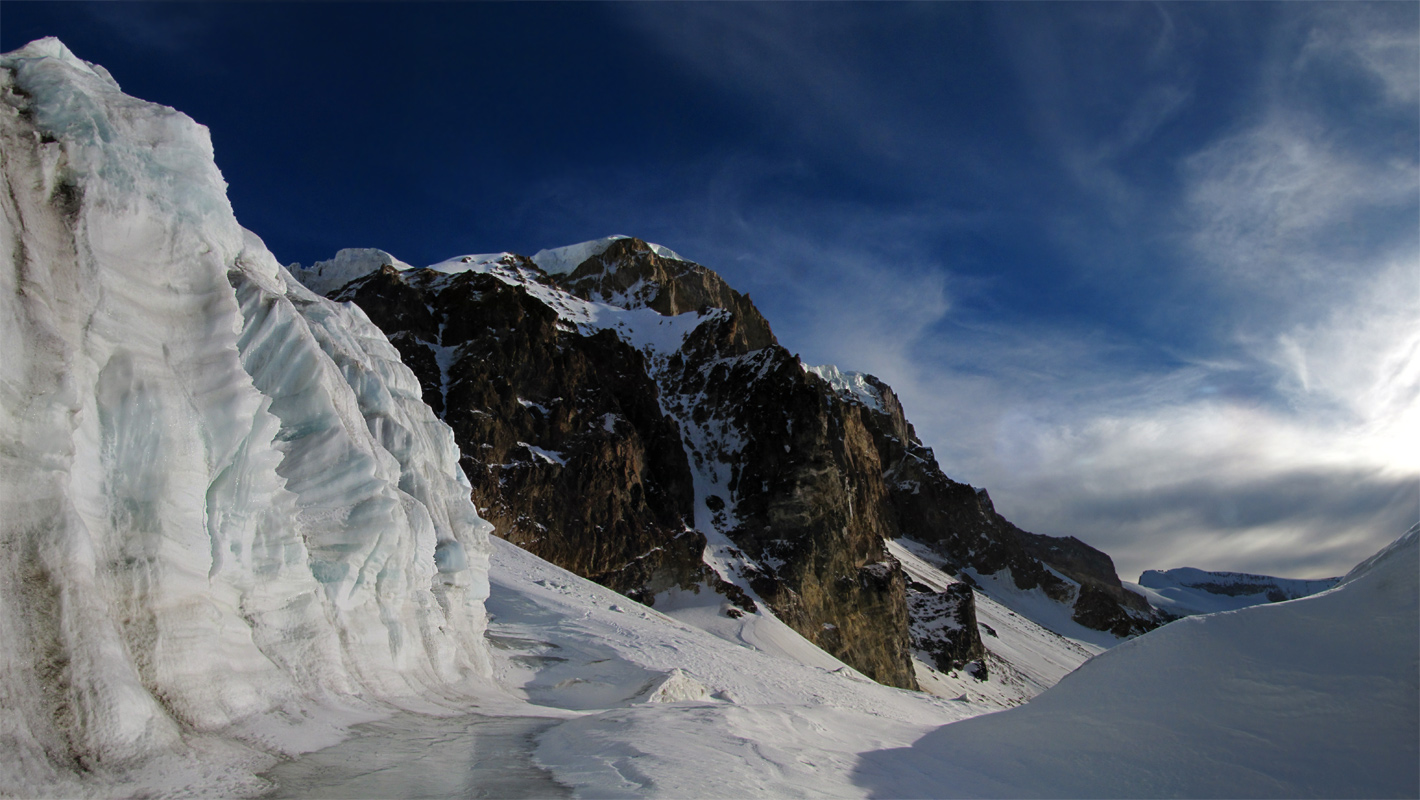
(225, 502)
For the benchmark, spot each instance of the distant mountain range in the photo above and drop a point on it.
(1186, 591)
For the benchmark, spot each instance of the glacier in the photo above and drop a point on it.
(226, 506)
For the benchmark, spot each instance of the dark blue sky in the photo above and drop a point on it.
(1146, 271)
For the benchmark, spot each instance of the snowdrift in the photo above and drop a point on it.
(1315, 697)
(224, 502)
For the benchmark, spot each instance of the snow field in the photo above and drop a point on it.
(676, 711)
(1185, 591)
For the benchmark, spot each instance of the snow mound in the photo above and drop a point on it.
(228, 513)
(1403, 550)
(678, 687)
(562, 260)
(324, 277)
(851, 386)
(1316, 697)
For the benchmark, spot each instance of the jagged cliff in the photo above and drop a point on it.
(960, 523)
(628, 415)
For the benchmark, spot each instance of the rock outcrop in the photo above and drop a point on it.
(944, 628)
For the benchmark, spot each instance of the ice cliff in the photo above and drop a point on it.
(224, 502)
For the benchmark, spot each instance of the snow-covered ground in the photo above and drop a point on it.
(1316, 697)
(614, 699)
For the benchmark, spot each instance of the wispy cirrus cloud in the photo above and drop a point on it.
(1236, 385)
(1283, 203)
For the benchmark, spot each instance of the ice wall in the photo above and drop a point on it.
(222, 501)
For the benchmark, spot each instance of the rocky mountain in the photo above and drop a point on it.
(628, 415)
(960, 523)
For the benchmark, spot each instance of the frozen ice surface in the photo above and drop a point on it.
(413, 756)
(222, 493)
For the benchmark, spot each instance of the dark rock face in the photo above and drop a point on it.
(562, 436)
(1084, 564)
(944, 628)
(805, 490)
(577, 447)
(1095, 608)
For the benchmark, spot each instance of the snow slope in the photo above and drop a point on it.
(620, 700)
(1024, 658)
(1186, 591)
(1316, 697)
(230, 521)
